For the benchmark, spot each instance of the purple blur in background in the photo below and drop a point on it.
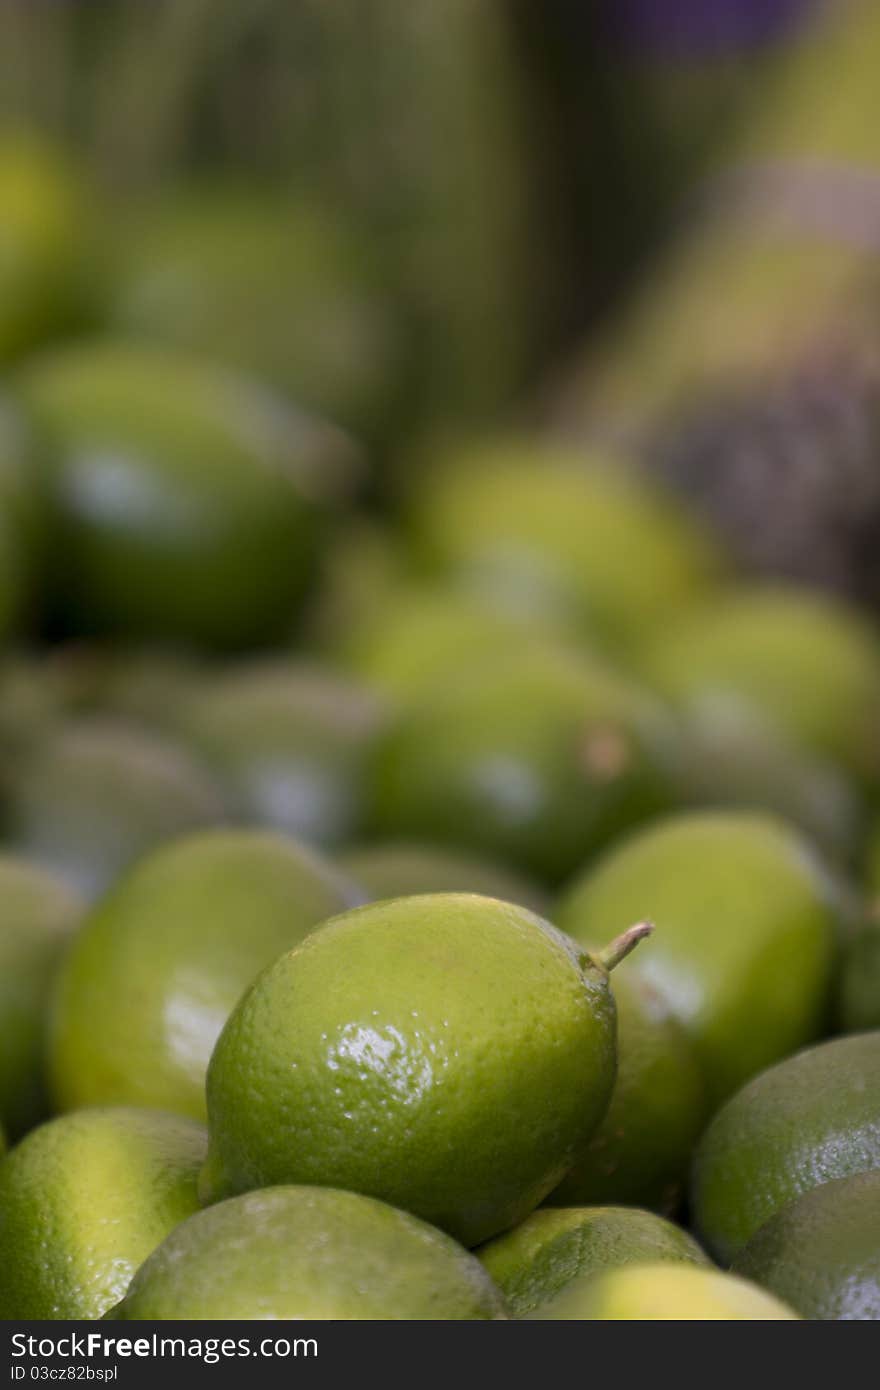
(692, 28)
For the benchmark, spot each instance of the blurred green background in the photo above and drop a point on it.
(403, 214)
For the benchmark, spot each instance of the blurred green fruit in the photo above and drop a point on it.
(872, 861)
(808, 1120)
(397, 869)
(290, 744)
(641, 1152)
(537, 529)
(143, 685)
(84, 1199)
(553, 1255)
(450, 1054)
(418, 635)
(34, 695)
(186, 498)
(730, 756)
(807, 664)
(537, 763)
(22, 518)
(822, 1252)
(656, 1293)
(360, 571)
(48, 689)
(158, 966)
(38, 915)
(43, 232)
(95, 794)
(275, 286)
(746, 920)
(309, 1253)
(858, 983)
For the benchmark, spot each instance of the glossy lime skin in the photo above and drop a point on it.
(402, 869)
(449, 1054)
(822, 1252)
(808, 664)
(554, 1254)
(38, 915)
(554, 532)
(291, 745)
(84, 1199)
(160, 963)
(641, 1152)
(309, 1253)
(808, 1120)
(184, 497)
(744, 946)
(656, 1293)
(95, 794)
(537, 764)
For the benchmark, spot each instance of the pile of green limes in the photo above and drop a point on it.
(454, 909)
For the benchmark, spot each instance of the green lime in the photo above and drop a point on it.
(39, 912)
(418, 635)
(39, 689)
(858, 1007)
(858, 984)
(187, 498)
(804, 662)
(43, 217)
(544, 530)
(822, 1252)
(402, 869)
(309, 1253)
(535, 763)
(95, 794)
(872, 860)
(361, 569)
(553, 1254)
(291, 744)
(449, 1054)
(29, 703)
(160, 963)
(746, 919)
(641, 1152)
(146, 685)
(808, 1120)
(274, 285)
(679, 1293)
(23, 514)
(730, 756)
(84, 1200)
